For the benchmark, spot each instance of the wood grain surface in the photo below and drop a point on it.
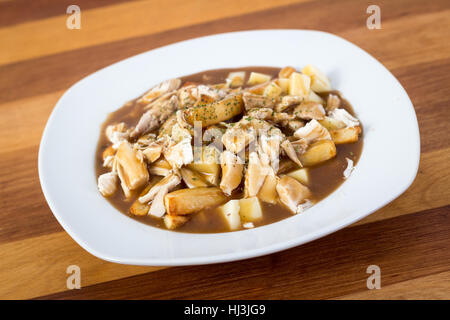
(40, 58)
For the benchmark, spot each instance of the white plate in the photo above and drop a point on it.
(387, 167)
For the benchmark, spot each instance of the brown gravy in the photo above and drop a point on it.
(325, 177)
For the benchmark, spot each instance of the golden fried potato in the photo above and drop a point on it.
(318, 152)
(345, 135)
(215, 112)
(187, 201)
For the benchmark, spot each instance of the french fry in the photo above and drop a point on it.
(257, 78)
(300, 175)
(108, 152)
(134, 170)
(141, 209)
(319, 81)
(314, 97)
(345, 135)
(268, 192)
(250, 209)
(230, 211)
(235, 79)
(299, 84)
(187, 201)
(173, 222)
(208, 166)
(192, 178)
(318, 152)
(283, 84)
(286, 72)
(216, 112)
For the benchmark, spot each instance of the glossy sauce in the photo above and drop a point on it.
(324, 178)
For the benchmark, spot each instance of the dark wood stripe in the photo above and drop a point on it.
(20, 11)
(405, 247)
(59, 71)
(423, 82)
(23, 210)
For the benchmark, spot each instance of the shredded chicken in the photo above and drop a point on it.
(257, 139)
(344, 116)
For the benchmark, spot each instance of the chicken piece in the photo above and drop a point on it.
(160, 89)
(257, 171)
(156, 116)
(186, 96)
(292, 193)
(157, 208)
(332, 124)
(188, 201)
(152, 152)
(172, 222)
(273, 91)
(169, 182)
(309, 111)
(268, 192)
(258, 101)
(269, 144)
(232, 168)
(269, 114)
(235, 139)
(312, 131)
(179, 154)
(333, 102)
(178, 151)
(344, 116)
(287, 102)
(107, 183)
(294, 125)
(289, 150)
(134, 171)
(117, 133)
(166, 127)
(287, 165)
(212, 92)
(348, 171)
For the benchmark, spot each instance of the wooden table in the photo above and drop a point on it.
(40, 58)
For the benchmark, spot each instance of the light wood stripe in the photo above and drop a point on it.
(101, 25)
(37, 266)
